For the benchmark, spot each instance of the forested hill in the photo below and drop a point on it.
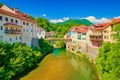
(76, 22)
(61, 28)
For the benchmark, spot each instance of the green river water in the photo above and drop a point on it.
(63, 65)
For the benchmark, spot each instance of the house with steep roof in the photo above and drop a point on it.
(16, 26)
(80, 37)
(40, 33)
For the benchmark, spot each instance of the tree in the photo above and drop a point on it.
(60, 44)
(16, 58)
(108, 61)
(1, 4)
(45, 46)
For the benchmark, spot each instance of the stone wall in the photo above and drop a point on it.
(91, 51)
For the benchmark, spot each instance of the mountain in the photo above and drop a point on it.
(76, 22)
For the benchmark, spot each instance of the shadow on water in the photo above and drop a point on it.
(24, 73)
(27, 71)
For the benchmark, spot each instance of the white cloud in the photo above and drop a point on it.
(95, 20)
(44, 15)
(66, 18)
(59, 20)
(117, 17)
(56, 20)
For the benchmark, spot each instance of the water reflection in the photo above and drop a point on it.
(62, 65)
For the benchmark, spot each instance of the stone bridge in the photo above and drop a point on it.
(58, 39)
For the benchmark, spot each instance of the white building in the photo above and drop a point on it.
(80, 38)
(40, 33)
(16, 26)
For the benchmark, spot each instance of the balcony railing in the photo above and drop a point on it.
(96, 39)
(13, 31)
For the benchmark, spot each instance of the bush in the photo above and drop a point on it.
(15, 59)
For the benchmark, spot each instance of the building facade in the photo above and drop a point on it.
(40, 33)
(16, 26)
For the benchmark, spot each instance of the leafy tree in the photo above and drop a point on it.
(1, 4)
(15, 59)
(61, 28)
(45, 46)
(42, 22)
(60, 44)
(108, 61)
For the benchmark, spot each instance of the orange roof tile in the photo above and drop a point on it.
(101, 26)
(80, 29)
(18, 14)
(39, 28)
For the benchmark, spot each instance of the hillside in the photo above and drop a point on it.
(76, 22)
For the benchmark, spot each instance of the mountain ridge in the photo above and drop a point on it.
(76, 22)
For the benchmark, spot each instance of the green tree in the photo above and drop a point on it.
(15, 59)
(60, 44)
(45, 46)
(1, 4)
(108, 61)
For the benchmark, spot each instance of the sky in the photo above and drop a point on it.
(62, 10)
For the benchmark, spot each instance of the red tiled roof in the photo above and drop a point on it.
(39, 28)
(17, 14)
(101, 26)
(11, 24)
(80, 29)
(117, 20)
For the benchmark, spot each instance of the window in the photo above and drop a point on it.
(11, 20)
(1, 18)
(79, 37)
(1, 28)
(83, 33)
(23, 23)
(23, 30)
(106, 31)
(27, 30)
(27, 24)
(20, 37)
(10, 39)
(106, 37)
(6, 19)
(83, 38)
(16, 38)
(16, 21)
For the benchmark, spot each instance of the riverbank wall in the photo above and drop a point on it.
(91, 52)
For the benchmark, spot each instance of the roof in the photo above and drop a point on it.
(39, 28)
(101, 26)
(18, 15)
(80, 29)
(116, 20)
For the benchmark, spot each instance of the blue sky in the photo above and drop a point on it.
(59, 9)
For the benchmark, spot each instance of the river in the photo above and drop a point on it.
(63, 65)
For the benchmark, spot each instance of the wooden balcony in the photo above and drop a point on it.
(10, 31)
(96, 39)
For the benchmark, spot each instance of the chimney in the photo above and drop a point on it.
(15, 9)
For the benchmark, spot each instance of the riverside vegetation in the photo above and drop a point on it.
(15, 59)
(108, 61)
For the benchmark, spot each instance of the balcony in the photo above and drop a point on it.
(11, 31)
(96, 39)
